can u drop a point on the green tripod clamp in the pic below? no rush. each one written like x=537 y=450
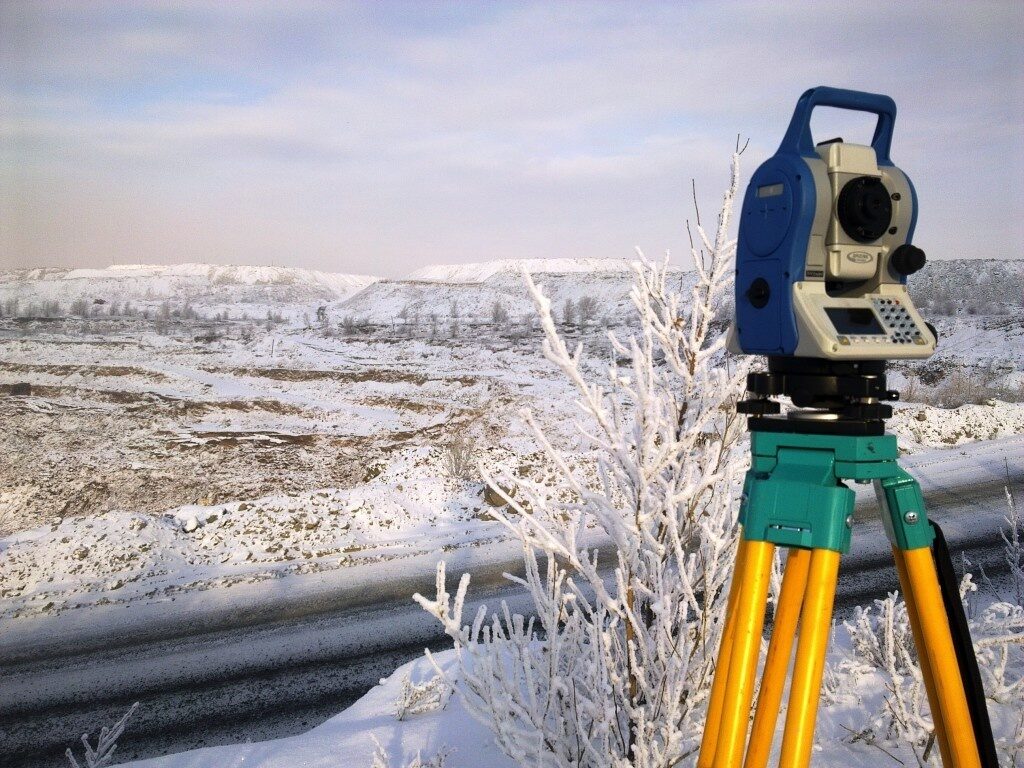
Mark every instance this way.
x=794 y=495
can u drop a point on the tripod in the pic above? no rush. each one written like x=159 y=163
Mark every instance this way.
x=794 y=497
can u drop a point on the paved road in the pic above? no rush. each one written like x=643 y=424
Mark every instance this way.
x=272 y=679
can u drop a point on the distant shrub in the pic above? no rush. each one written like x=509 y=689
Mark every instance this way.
x=458 y=457
x=498 y=313
x=569 y=312
x=586 y=309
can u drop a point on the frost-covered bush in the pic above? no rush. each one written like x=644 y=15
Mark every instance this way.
x=1013 y=547
x=106 y=743
x=458 y=456
x=381 y=758
x=616 y=665
x=419 y=698
x=882 y=641
x=586 y=309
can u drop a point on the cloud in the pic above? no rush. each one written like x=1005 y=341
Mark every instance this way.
x=380 y=137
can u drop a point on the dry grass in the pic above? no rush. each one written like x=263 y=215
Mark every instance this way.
x=958 y=386
x=458 y=457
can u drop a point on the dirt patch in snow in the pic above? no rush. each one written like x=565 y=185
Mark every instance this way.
x=344 y=377
x=90 y=429
x=84 y=370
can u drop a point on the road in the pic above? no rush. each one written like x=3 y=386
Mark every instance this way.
x=274 y=678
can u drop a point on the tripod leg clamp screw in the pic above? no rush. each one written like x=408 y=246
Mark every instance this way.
x=911 y=517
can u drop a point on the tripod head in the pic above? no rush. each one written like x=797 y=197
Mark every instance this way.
x=822 y=261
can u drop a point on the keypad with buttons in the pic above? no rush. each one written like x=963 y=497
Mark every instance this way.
x=897 y=321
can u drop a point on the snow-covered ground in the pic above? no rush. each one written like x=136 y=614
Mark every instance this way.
x=379 y=727
x=136 y=463
x=354 y=453
x=348 y=739
x=157 y=453
x=482 y=271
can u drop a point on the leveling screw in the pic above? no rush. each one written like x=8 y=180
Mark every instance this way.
x=910 y=517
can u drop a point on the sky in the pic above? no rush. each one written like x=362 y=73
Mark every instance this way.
x=379 y=137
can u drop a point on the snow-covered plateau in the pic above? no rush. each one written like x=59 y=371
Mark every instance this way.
x=208 y=436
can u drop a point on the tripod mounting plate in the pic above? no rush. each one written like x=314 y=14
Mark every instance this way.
x=845 y=397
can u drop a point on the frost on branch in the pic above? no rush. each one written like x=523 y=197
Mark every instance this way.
x=106 y=743
x=882 y=640
x=615 y=666
x=381 y=758
x=1013 y=546
x=419 y=698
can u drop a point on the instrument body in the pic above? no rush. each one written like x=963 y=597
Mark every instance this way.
x=825 y=247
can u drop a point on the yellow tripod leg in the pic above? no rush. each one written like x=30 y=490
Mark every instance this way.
x=950 y=698
x=926 y=667
x=815 y=622
x=787 y=614
x=745 y=651
x=713 y=721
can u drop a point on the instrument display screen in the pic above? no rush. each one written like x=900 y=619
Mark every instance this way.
x=854 y=321
x=770 y=190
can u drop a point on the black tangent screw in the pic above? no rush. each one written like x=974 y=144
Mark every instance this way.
x=758 y=293
x=907 y=259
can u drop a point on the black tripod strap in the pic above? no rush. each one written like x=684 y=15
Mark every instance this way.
x=966 y=660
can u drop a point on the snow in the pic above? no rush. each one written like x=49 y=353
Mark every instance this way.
x=348 y=434
x=269 y=445
x=480 y=272
x=423 y=306
x=347 y=739
x=350 y=735
x=145 y=275
x=206 y=288
x=925 y=426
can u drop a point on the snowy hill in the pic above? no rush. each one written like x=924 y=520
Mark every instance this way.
x=482 y=271
x=972 y=286
x=473 y=292
x=440 y=293
x=199 y=284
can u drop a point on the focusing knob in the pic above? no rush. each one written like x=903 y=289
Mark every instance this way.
x=907 y=259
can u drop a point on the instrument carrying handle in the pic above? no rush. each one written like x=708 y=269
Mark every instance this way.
x=798 y=136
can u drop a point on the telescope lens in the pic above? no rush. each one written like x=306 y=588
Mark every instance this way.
x=864 y=208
